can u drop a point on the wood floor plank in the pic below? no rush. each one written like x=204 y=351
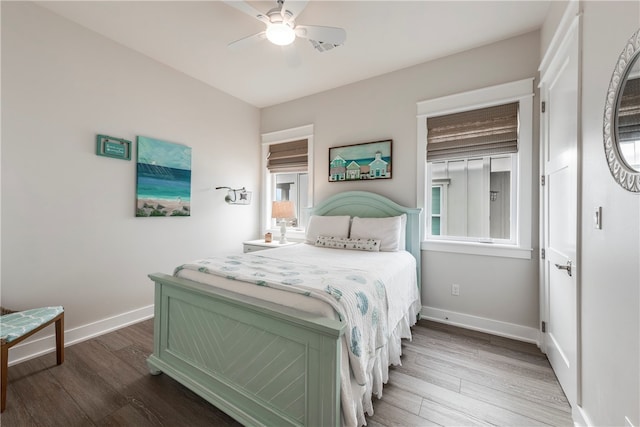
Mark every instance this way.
x=536 y=368
x=449 y=376
x=128 y=415
x=543 y=413
x=78 y=377
x=433 y=376
x=389 y=415
x=500 y=379
x=44 y=397
x=401 y=399
x=112 y=369
x=136 y=357
x=448 y=346
x=471 y=407
x=491 y=363
x=18 y=415
x=487 y=342
x=446 y=416
x=164 y=399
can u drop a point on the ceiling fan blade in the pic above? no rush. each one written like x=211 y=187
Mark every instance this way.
x=246 y=8
x=291 y=55
x=332 y=35
x=247 y=41
x=295 y=7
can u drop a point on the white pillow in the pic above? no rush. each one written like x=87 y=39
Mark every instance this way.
x=336 y=226
x=387 y=230
x=370 y=245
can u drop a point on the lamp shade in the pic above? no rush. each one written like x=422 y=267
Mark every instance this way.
x=283 y=209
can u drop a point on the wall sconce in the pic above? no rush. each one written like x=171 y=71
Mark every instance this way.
x=493 y=195
x=238 y=196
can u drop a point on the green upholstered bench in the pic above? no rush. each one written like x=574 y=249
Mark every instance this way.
x=18 y=326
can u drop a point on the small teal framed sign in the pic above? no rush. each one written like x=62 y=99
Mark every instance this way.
x=116 y=148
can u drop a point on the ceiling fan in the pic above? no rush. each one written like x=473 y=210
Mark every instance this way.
x=282 y=30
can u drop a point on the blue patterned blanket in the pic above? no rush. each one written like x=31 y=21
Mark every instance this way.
x=358 y=297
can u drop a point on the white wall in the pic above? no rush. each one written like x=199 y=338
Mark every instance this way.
x=611 y=256
x=502 y=291
x=69 y=231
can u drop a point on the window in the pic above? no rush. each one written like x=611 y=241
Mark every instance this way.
x=287 y=166
x=476 y=180
x=438 y=227
x=292 y=186
x=478 y=195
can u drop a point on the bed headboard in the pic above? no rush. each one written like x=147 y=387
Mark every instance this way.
x=371 y=205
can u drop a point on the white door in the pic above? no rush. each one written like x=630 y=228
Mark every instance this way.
x=559 y=138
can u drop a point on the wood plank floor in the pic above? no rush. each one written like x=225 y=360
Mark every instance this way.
x=449 y=376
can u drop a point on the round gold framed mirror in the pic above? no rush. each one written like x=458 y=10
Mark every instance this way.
x=622 y=118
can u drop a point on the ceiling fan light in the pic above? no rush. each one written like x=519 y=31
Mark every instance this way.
x=280 y=34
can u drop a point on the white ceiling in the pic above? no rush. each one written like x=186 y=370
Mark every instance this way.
x=382 y=36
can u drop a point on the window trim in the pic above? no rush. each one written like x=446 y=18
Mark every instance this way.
x=444 y=197
x=279 y=137
x=521 y=91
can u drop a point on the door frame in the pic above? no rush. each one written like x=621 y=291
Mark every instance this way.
x=571 y=22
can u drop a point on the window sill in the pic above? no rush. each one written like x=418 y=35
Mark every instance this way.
x=475 y=248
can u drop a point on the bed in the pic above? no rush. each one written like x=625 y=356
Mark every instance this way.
x=265 y=363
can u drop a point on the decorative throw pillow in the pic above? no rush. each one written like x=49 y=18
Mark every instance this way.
x=333 y=242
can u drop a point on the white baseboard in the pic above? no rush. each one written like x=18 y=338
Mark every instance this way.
x=30 y=349
x=482 y=324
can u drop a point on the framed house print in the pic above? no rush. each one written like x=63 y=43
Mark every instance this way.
x=369 y=160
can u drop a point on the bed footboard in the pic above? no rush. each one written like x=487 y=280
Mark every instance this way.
x=261 y=363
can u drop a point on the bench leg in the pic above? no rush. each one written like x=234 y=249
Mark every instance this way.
x=4 y=355
x=60 y=339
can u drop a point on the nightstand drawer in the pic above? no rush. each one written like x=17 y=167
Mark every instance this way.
x=253 y=248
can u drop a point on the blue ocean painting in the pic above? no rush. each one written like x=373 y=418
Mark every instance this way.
x=163 y=178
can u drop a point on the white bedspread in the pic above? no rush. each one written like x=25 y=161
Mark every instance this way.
x=395 y=270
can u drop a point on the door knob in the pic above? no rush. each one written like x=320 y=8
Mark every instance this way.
x=565 y=267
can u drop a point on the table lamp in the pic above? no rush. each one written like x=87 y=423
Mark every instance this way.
x=282 y=210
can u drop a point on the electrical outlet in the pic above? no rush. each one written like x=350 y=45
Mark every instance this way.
x=455 y=289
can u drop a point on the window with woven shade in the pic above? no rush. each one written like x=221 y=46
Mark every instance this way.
x=292 y=156
x=287 y=171
x=472 y=159
x=476 y=133
x=476 y=185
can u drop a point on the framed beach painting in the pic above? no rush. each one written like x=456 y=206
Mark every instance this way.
x=163 y=178
x=369 y=160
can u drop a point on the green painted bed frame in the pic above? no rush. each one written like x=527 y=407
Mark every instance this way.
x=261 y=363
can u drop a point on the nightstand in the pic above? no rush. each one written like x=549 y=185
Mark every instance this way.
x=260 y=245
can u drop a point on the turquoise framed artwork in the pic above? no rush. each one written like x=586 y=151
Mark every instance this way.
x=116 y=148
x=369 y=160
x=163 y=178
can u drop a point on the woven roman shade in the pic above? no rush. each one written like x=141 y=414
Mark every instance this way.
x=288 y=156
x=476 y=133
x=629 y=112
